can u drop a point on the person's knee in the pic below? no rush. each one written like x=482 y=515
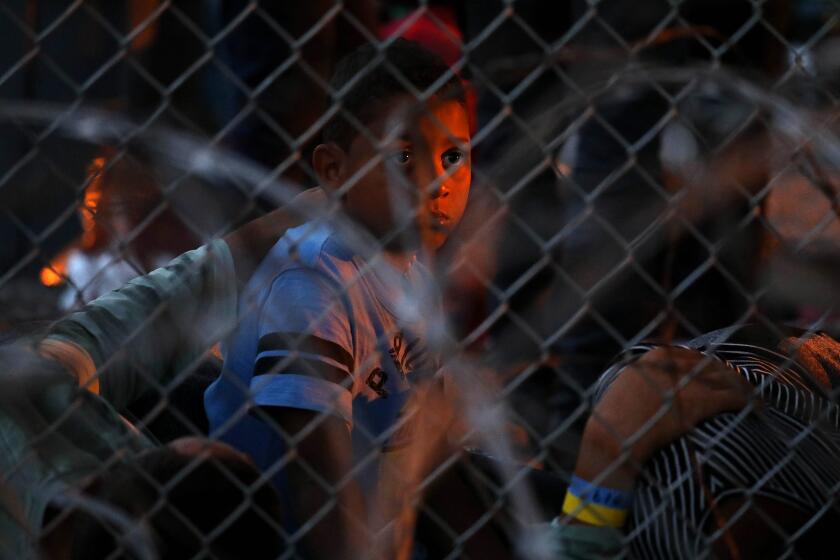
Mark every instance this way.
x=196 y=498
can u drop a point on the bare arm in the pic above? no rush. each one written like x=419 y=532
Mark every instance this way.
x=654 y=401
x=325 y=498
x=250 y=243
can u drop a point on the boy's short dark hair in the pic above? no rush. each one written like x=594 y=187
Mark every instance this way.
x=375 y=76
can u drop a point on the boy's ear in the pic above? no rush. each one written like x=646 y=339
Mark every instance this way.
x=328 y=160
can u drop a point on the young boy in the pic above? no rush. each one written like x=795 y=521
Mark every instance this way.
x=331 y=336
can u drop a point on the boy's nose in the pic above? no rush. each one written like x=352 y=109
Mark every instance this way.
x=427 y=177
x=433 y=178
x=437 y=188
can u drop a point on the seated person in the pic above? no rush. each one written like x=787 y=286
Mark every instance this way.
x=78 y=480
x=332 y=337
x=751 y=484
x=77 y=475
x=62 y=433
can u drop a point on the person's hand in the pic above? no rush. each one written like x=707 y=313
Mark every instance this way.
x=651 y=403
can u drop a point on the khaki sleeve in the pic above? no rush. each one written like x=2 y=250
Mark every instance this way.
x=141 y=335
x=74 y=358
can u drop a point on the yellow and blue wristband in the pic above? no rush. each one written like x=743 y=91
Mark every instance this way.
x=603 y=507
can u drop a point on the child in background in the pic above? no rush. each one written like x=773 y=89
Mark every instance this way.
x=129 y=227
x=333 y=334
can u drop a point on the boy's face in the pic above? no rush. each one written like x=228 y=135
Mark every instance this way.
x=422 y=184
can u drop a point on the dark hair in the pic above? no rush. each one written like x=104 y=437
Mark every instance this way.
x=184 y=499
x=368 y=77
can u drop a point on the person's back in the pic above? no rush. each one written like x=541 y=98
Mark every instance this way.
x=716 y=488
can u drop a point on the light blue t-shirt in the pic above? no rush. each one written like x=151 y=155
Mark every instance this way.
x=314 y=300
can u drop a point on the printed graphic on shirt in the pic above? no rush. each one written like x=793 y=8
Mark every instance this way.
x=399 y=353
x=376 y=381
x=410 y=356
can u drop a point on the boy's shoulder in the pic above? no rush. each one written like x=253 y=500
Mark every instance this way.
x=303 y=245
x=326 y=254
x=313 y=246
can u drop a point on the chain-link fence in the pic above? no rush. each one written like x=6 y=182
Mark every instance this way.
x=500 y=300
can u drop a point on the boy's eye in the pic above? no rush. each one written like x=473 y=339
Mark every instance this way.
x=402 y=157
x=452 y=157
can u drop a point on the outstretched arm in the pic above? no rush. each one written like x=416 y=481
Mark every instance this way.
x=161 y=323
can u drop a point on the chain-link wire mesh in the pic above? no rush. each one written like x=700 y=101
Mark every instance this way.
x=640 y=295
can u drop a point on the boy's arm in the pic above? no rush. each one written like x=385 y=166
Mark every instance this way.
x=325 y=497
x=250 y=243
x=303 y=381
x=159 y=323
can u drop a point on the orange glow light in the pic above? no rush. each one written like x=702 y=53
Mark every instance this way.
x=53 y=274
x=87 y=210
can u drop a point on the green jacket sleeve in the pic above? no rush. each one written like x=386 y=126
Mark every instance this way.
x=157 y=325
x=584 y=542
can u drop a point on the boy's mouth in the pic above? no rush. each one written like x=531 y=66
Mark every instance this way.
x=440 y=221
